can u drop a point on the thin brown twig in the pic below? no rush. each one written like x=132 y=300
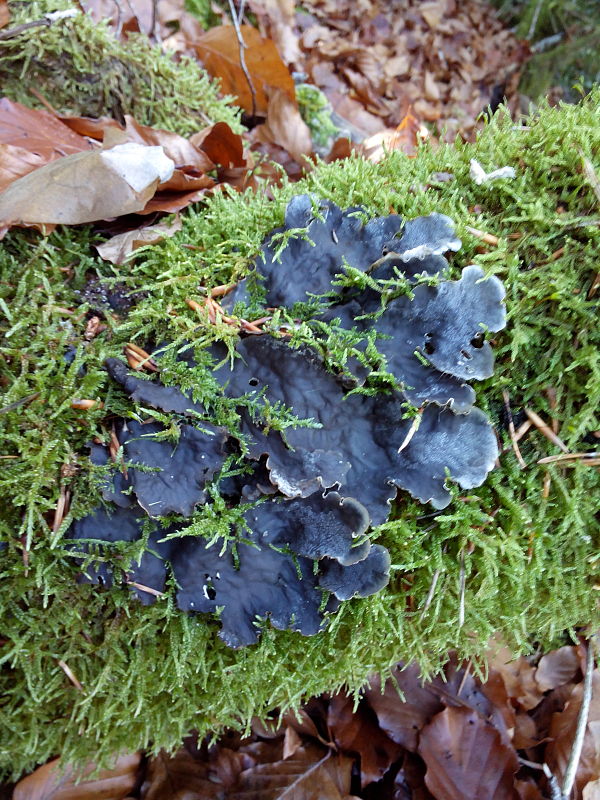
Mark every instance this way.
x=552 y=402
x=522 y=429
x=147 y=589
x=511 y=430
x=546 y=430
x=573 y=763
x=488 y=238
x=242 y=46
x=594 y=456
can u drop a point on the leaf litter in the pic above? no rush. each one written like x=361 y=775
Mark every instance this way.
x=456 y=735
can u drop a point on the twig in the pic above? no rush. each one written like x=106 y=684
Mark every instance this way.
x=431 y=592
x=546 y=430
x=147 y=589
x=573 y=763
x=547 y=43
x=242 y=45
x=462 y=581
x=522 y=430
x=534 y=20
x=70 y=675
x=546 y=486
x=464 y=678
x=511 y=430
x=488 y=238
x=570 y=457
x=555 y=792
x=48 y=19
x=551 y=395
x=594 y=287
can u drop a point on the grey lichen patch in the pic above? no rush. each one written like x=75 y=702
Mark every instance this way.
x=80 y=68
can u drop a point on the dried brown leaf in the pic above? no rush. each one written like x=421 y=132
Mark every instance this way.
x=276 y=20
x=219 y=51
x=358 y=732
x=15 y=162
x=179 y=777
x=120 y=246
x=285 y=127
x=51 y=783
x=221 y=145
x=310 y=774
x=558 y=667
x=403 y=719
x=562 y=731
x=466 y=757
x=518 y=675
x=38 y=132
x=85 y=187
x=180 y=150
x=527 y=790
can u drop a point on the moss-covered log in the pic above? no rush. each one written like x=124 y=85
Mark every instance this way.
x=524 y=545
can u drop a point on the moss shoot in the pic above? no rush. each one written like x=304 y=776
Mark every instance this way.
x=525 y=544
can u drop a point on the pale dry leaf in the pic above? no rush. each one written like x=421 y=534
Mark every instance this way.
x=291 y=742
x=122 y=245
x=591 y=791
x=86 y=187
x=49 y=782
x=15 y=162
x=557 y=667
x=433 y=12
x=466 y=757
x=480 y=176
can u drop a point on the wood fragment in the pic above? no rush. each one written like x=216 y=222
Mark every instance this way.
x=546 y=430
x=488 y=238
x=82 y=404
x=70 y=675
x=511 y=430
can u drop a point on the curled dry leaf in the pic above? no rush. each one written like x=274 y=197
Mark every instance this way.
x=50 y=782
x=558 y=667
x=466 y=757
x=85 y=187
x=219 y=51
x=402 y=718
x=357 y=731
x=518 y=676
x=120 y=246
x=285 y=127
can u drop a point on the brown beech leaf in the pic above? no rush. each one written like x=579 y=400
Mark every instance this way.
x=562 y=731
x=221 y=145
x=312 y=773
x=51 y=783
x=358 y=732
x=179 y=777
x=86 y=187
x=120 y=246
x=527 y=790
x=518 y=675
x=15 y=162
x=38 y=131
x=219 y=51
x=176 y=147
x=285 y=127
x=402 y=719
x=465 y=757
x=557 y=667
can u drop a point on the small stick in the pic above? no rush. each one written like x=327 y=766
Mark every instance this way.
x=594 y=287
x=242 y=47
x=61 y=508
x=546 y=430
x=555 y=792
x=461 y=606
x=147 y=589
x=464 y=678
x=219 y=291
x=573 y=763
x=511 y=430
x=556 y=255
x=522 y=430
x=546 y=486
x=569 y=457
x=488 y=238
x=551 y=395
x=431 y=592
x=70 y=675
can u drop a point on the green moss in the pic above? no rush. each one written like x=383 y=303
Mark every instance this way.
x=80 y=68
x=150 y=674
